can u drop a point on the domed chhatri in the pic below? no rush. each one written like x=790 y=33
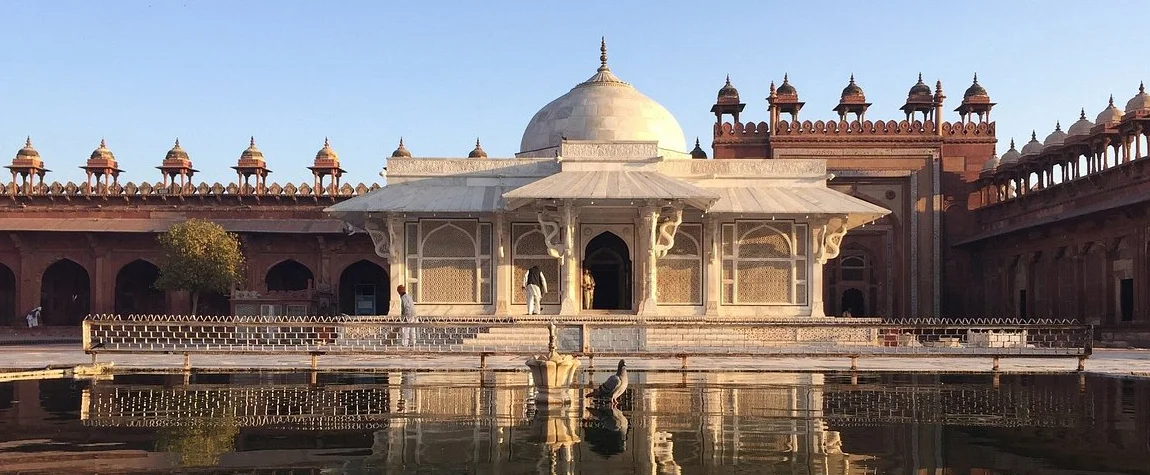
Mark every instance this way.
x=1033 y=147
x=251 y=154
x=1056 y=137
x=176 y=153
x=975 y=90
x=853 y=90
x=28 y=152
x=102 y=165
x=1082 y=127
x=1140 y=101
x=1011 y=156
x=102 y=155
x=603 y=108
x=919 y=89
x=787 y=89
x=401 y=151
x=326 y=156
x=991 y=164
x=728 y=94
x=478 y=151
x=698 y=151
x=1110 y=114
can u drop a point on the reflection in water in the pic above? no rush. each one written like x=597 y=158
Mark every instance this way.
x=606 y=431
x=486 y=422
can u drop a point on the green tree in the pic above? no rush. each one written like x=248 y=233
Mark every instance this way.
x=199 y=256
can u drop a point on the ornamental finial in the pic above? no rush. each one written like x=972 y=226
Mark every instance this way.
x=603 y=53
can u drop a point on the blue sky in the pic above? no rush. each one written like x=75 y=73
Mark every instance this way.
x=440 y=74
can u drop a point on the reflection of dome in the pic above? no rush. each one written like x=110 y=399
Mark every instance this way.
x=1056 y=137
x=1109 y=114
x=1011 y=156
x=1033 y=147
x=1083 y=126
x=401 y=151
x=603 y=108
x=1140 y=101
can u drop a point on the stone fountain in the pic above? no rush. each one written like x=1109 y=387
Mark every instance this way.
x=552 y=374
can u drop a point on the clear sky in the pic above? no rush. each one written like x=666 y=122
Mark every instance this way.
x=440 y=73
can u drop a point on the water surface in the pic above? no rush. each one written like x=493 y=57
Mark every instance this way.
x=667 y=423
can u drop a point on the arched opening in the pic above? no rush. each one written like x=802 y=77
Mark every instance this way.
x=289 y=275
x=609 y=261
x=853 y=301
x=364 y=289
x=135 y=289
x=8 y=296
x=65 y=294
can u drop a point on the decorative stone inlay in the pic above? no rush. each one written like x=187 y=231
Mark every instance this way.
x=577 y=149
x=843 y=152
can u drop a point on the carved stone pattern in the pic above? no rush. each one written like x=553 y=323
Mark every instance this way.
x=680 y=272
x=455 y=166
x=452 y=265
x=765 y=168
x=608 y=150
x=528 y=249
x=760 y=265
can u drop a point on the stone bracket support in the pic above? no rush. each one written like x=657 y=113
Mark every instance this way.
x=828 y=239
x=668 y=225
x=387 y=237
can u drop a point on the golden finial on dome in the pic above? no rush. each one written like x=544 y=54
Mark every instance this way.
x=28 y=141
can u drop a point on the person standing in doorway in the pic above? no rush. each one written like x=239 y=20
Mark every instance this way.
x=535 y=285
x=588 y=289
x=407 y=314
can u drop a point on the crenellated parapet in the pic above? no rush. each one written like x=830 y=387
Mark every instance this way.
x=158 y=190
x=742 y=130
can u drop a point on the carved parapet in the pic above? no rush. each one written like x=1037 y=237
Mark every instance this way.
x=855 y=128
x=742 y=130
x=159 y=190
x=968 y=129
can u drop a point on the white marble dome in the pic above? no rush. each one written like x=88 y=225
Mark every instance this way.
x=603 y=108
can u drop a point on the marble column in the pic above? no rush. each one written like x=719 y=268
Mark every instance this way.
x=647 y=275
x=502 y=279
x=713 y=269
x=569 y=265
x=815 y=271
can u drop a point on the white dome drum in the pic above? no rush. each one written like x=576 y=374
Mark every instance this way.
x=606 y=109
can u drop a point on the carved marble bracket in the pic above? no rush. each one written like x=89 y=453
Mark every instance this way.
x=828 y=239
x=551 y=224
x=668 y=222
x=384 y=234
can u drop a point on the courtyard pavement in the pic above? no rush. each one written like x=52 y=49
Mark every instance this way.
x=1112 y=362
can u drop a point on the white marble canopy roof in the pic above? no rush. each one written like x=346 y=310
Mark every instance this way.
x=611 y=185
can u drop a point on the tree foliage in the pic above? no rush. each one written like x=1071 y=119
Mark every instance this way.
x=199 y=256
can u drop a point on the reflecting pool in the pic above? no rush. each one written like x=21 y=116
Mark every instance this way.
x=667 y=423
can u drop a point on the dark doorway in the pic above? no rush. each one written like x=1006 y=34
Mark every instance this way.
x=1126 y=299
x=609 y=261
x=135 y=291
x=8 y=297
x=1022 y=303
x=289 y=275
x=854 y=302
x=65 y=294
x=364 y=289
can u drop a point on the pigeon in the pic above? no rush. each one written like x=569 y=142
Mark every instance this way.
x=613 y=387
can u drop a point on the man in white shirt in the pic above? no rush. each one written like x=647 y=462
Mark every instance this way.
x=535 y=285
x=407 y=313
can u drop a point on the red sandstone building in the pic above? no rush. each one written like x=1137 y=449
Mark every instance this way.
x=1058 y=229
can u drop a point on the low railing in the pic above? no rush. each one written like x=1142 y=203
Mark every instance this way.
x=584 y=336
